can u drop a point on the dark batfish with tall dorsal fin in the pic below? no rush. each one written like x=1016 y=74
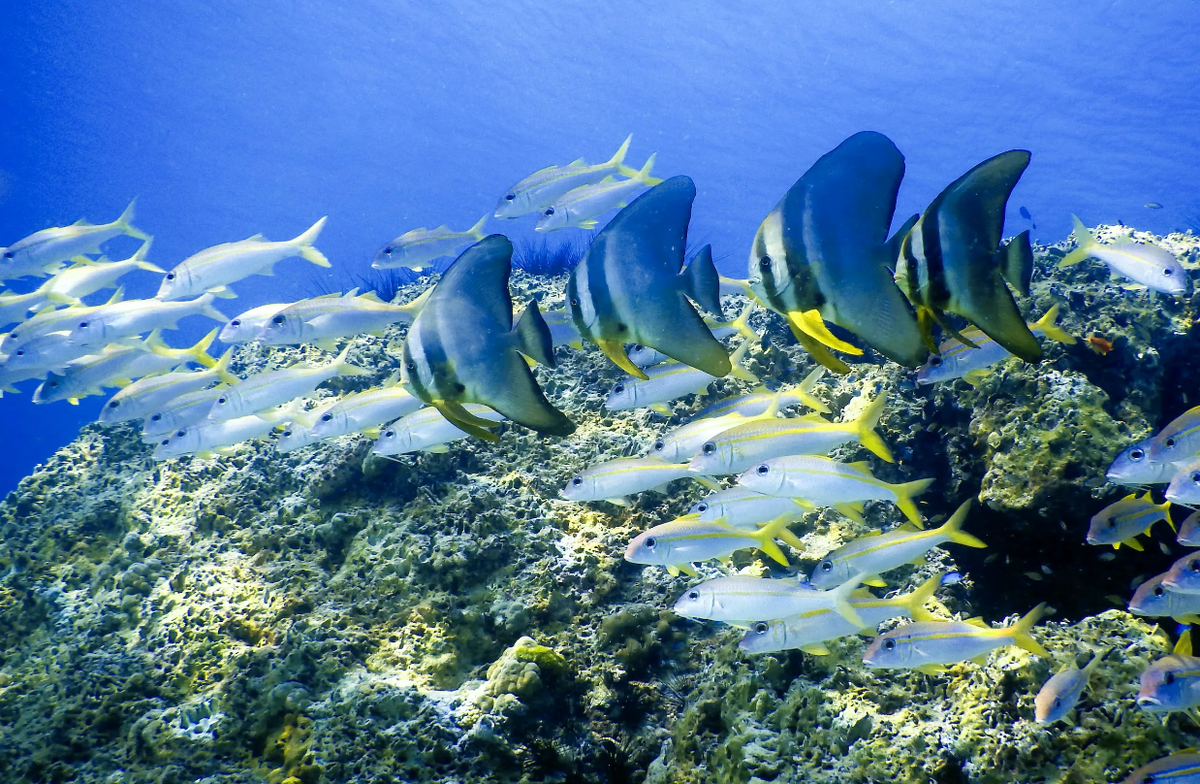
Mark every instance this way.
x=463 y=348
x=952 y=260
x=822 y=255
x=629 y=287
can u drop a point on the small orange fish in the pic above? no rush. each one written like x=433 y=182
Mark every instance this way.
x=1100 y=344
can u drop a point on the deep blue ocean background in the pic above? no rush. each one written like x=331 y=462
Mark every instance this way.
x=226 y=119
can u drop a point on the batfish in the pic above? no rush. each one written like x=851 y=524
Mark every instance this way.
x=822 y=255
x=463 y=348
x=629 y=287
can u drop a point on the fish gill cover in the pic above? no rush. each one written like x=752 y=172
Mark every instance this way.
x=302 y=542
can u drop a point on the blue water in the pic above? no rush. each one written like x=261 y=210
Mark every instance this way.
x=227 y=119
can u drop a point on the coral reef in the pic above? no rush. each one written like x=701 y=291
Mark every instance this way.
x=327 y=616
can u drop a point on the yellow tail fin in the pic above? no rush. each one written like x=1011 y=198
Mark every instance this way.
x=222 y=368
x=768 y=534
x=618 y=159
x=1048 y=326
x=865 y=427
x=904 y=499
x=1020 y=632
x=952 y=529
x=806 y=390
x=1084 y=242
x=199 y=352
x=305 y=242
x=915 y=601
x=737 y=369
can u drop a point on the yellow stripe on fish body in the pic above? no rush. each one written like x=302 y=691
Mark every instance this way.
x=625 y=476
x=1180 y=768
x=689 y=540
x=746 y=509
x=743 y=600
x=930 y=644
x=665 y=383
x=825 y=482
x=1120 y=523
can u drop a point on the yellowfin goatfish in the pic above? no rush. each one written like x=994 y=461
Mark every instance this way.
x=680 y=444
x=110 y=323
x=1155 y=600
x=757 y=401
x=1184 y=575
x=959 y=360
x=15 y=308
x=825 y=482
x=810 y=630
x=1157 y=459
x=275 y=387
x=1189 y=531
x=1119 y=523
x=1181 y=768
x=147 y=395
x=71 y=285
x=930 y=645
x=1061 y=693
x=179 y=413
x=952 y=260
x=1150 y=265
x=118 y=366
x=822 y=255
x=680 y=543
x=365 y=410
x=628 y=288
x=666 y=382
x=745 y=600
x=297 y=432
x=1184 y=488
x=50 y=320
x=212 y=269
x=207 y=439
x=542 y=188
x=51 y=351
x=878 y=553
x=43 y=252
x=248 y=324
x=325 y=319
x=737 y=449
x=418 y=248
x=583 y=205
x=746 y=509
x=463 y=348
x=426 y=431
x=615 y=480
x=1171 y=683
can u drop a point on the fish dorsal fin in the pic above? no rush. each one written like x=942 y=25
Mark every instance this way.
x=444 y=228
x=80 y=222
x=977 y=621
x=1184 y=646
x=351 y=294
x=576 y=162
x=255 y=238
x=371 y=296
x=977 y=200
x=861 y=465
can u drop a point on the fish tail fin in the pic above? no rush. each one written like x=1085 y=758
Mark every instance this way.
x=702 y=283
x=768 y=534
x=414 y=307
x=1099 y=655
x=806 y=388
x=533 y=336
x=476 y=231
x=155 y=344
x=199 y=352
x=139 y=257
x=842 y=606
x=1166 y=507
x=742 y=322
x=904 y=498
x=952 y=529
x=865 y=427
x=785 y=535
x=618 y=159
x=1017 y=264
x=1183 y=646
x=208 y=309
x=644 y=174
x=125 y=223
x=305 y=244
x=738 y=370
x=222 y=368
x=1020 y=632
x=1048 y=326
x=915 y=601
x=1084 y=242
x=344 y=368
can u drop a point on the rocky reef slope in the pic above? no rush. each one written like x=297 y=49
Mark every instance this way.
x=324 y=616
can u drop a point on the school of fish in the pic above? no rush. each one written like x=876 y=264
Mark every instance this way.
x=821 y=259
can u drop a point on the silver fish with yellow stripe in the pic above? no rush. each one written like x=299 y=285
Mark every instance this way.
x=425 y=431
x=972 y=362
x=1120 y=523
x=1061 y=693
x=1171 y=683
x=615 y=480
x=680 y=543
x=1181 y=768
x=668 y=381
x=743 y=601
x=364 y=411
x=275 y=387
x=929 y=646
x=746 y=509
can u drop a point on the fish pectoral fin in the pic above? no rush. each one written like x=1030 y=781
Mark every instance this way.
x=875 y=582
x=815 y=649
x=1134 y=543
x=708 y=482
x=976 y=377
x=465 y=421
x=849 y=510
x=437 y=449
x=931 y=669
x=223 y=292
x=688 y=569
x=329 y=344
x=661 y=408
x=925 y=327
x=615 y=351
x=810 y=323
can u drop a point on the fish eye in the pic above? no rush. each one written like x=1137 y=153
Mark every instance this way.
x=618 y=389
x=235 y=323
x=765 y=262
x=83 y=325
x=220 y=401
x=709 y=448
x=287 y=433
x=1196 y=478
x=1195 y=566
x=165 y=441
x=701 y=507
x=1137 y=454
x=170 y=276
x=693 y=595
x=651 y=543
x=935 y=361
x=826 y=566
x=638 y=347
x=1167 y=272
x=8 y=254
x=761 y=627
x=278 y=320
x=659 y=445
x=889 y=645
x=1057 y=701
x=577 y=481
x=1111 y=522
x=156 y=418
x=763 y=470
x=1148 y=779
x=53 y=383
x=550 y=211
x=1159 y=590
x=1170 y=442
x=388 y=251
x=390 y=434
x=574 y=302
x=20 y=352
x=510 y=197
x=1169 y=678
x=114 y=403
x=326 y=417
x=412 y=367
